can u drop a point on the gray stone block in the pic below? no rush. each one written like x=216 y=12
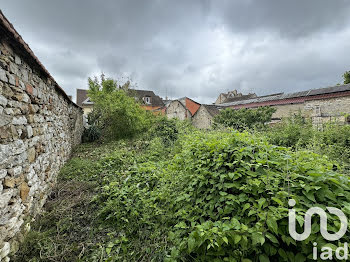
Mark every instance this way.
x=3 y=76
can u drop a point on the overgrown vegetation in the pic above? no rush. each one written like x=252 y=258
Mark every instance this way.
x=172 y=193
x=331 y=139
x=115 y=113
x=244 y=118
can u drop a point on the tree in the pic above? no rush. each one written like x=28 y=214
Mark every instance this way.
x=244 y=118
x=117 y=114
x=346 y=77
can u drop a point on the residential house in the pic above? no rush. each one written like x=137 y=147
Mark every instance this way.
x=148 y=100
x=182 y=108
x=87 y=106
x=232 y=96
x=204 y=116
x=81 y=96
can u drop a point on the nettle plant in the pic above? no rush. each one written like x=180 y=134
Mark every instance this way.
x=231 y=196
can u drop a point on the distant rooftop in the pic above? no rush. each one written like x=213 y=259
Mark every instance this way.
x=82 y=97
x=301 y=94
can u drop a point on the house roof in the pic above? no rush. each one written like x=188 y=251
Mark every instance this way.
x=7 y=31
x=87 y=101
x=81 y=96
x=167 y=102
x=188 y=106
x=140 y=94
x=184 y=99
x=302 y=95
x=212 y=109
x=239 y=98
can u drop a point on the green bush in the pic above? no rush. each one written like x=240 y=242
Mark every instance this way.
x=132 y=205
x=231 y=198
x=91 y=134
x=244 y=118
x=179 y=194
x=116 y=113
x=166 y=129
x=294 y=131
x=222 y=197
x=332 y=139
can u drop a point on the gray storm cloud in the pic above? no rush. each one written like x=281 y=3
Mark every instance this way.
x=189 y=48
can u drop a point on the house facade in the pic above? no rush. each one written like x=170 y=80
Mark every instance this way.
x=178 y=110
x=87 y=105
x=182 y=108
x=204 y=116
x=148 y=99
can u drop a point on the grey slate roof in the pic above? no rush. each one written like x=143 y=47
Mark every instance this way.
x=212 y=109
x=167 y=102
x=282 y=96
x=155 y=100
x=81 y=96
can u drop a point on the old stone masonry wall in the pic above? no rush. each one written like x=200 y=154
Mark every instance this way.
x=39 y=127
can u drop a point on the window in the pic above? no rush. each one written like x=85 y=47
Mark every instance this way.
x=317 y=110
x=147 y=99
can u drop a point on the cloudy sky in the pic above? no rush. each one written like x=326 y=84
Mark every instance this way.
x=194 y=48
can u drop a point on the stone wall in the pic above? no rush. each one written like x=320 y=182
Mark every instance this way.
x=177 y=110
x=202 y=119
x=319 y=111
x=332 y=109
x=39 y=127
x=291 y=109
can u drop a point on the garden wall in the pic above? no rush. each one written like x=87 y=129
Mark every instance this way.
x=39 y=127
